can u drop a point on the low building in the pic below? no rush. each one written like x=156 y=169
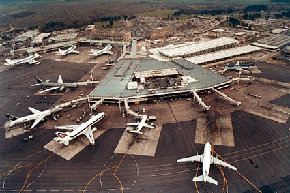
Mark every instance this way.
x=161 y=33
x=25 y=36
x=39 y=38
x=124 y=36
x=90 y=29
x=138 y=79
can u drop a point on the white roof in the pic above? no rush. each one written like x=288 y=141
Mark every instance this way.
x=223 y=54
x=192 y=47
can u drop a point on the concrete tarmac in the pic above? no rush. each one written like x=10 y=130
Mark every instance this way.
x=261 y=151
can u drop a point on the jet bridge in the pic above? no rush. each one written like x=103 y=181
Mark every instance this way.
x=129 y=111
x=204 y=106
x=224 y=96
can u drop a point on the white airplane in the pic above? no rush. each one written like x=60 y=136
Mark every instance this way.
x=60 y=85
x=207 y=159
x=70 y=50
x=37 y=116
x=29 y=59
x=77 y=130
x=105 y=50
x=140 y=125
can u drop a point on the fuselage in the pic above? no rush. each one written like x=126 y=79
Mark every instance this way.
x=142 y=122
x=29 y=59
x=30 y=117
x=206 y=160
x=84 y=126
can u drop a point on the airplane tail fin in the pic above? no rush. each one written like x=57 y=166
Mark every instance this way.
x=59 y=79
x=8 y=62
x=208 y=179
x=38 y=79
x=136 y=131
x=211 y=180
x=36 y=55
x=11 y=117
x=198 y=179
x=62 y=138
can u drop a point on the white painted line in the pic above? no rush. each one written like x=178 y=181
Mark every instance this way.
x=40 y=173
x=68 y=190
x=54 y=190
x=30 y=184
x=27 y=190
x=40 y=190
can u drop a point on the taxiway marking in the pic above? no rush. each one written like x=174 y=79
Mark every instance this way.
x=241 y=175
x=31 y=170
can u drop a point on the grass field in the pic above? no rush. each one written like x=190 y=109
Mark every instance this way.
x=158 y=13
x=41 y=12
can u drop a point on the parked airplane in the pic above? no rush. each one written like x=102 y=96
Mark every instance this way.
x=70 y=50
x=37 y=116
x=207 y=159
x=140 y=125
x=105 y=50
x=60 y=85
x=239 y=67
x=77 y=130
x=29 y=59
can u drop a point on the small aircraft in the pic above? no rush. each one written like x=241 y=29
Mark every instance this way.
x=207 y=159
x=60 y=85
x=105 y=50
x=140 y=125
x=37 y=116
x=30 y=59
x=70 y=50
x=77 y=130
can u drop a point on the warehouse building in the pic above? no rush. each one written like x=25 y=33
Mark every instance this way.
x=190 y=49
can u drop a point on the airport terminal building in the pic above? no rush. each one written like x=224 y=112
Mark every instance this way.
x=139 y=79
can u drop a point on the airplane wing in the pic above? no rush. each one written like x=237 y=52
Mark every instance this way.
x=89 y=135
x=49 y=89
x=68 y=127
x=37 y=121
x=149 y=126
x=132 y=124
x=198 y=158
x=34 y=111
x=220 y=162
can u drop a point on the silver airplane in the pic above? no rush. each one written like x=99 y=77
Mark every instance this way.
x=29 y=59
x=140 y=125
x=70 y=50
x=77 y=130
x=105 y=50
x=206 y=158
x=37 y=116
x=60 y=85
